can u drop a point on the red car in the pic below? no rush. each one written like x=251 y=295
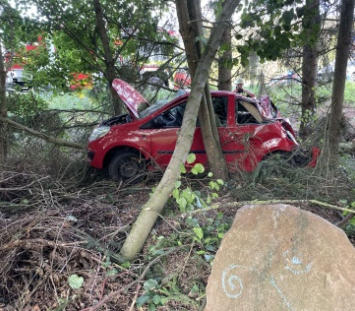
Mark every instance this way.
x=146 y=137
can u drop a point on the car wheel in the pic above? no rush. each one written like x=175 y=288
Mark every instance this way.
x=126 y=166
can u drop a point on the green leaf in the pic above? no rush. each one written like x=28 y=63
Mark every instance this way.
x=198 y=232
x=75 y=281
x=220 y=181
x=178 y=184
x=182 y=169
x=182 y=204
x=209 y=257
x=191 y=158
x=199 y=168
x=156 y=299
x=188 y=195
x=126 y=265
x=150 y=284
x=142 y=300
x=210 y=174
x=210 y=248
x=176 y=193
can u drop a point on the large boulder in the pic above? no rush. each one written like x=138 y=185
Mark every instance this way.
x=278 y=257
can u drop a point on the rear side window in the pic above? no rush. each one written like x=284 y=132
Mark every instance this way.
x=220 y=106
x=247 y=113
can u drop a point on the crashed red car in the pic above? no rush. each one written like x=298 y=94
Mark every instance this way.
x=145 y=138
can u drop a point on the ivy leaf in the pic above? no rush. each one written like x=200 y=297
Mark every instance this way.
x=198 y=232
x=142 y=300
x=150 y=284
x=198 y=169
x=191 y=158
x=75 y=281
x=176 y=193
x=156 y=299
x=182 y=203
x=182 y=169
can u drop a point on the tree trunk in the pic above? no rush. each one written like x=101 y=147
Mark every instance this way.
x=224 y=62
x=3 y=110
x=190 y=21
x=109 y=59
x=309 y=68
x=331 y=148
x=153 y=208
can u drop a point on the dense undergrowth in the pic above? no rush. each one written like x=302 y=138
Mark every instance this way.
x=62 y=225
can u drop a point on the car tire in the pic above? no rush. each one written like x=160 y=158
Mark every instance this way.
x=126 y=166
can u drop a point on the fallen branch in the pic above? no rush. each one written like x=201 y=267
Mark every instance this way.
x=342 y=223
x=219 y=205
x=45 y=137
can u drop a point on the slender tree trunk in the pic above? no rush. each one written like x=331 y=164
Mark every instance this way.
x=153 y=208
x=309 y=68
x=331 y=149
x=3 y=110
x=190 y=21
x=109 y=59
x=224 y=62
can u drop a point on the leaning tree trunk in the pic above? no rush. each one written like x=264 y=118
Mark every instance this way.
x=190 y=22
x=153 y=208
x=331 y=148
x=3 y=111
x=109 y=59
x=309 y=67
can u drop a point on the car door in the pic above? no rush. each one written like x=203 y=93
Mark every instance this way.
x=239 y=138
x=163 y=132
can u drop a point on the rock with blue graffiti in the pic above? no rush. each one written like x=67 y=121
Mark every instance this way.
x=281 y=258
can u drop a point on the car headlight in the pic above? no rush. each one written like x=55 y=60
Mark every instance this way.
x=99 y=132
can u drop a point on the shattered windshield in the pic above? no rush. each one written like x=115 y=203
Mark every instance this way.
x=159 y=104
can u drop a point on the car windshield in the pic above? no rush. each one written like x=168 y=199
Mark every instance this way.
x=156 y=106
x=159 y=104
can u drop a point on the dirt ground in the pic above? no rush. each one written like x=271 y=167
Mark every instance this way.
x=71 y=233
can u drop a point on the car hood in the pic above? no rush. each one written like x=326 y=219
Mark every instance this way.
x=130 y=96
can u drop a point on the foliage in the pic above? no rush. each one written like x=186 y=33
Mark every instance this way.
x=274 y=27
x=16 y=29
x=32 y=111
x=71 y=27
x=204 y=236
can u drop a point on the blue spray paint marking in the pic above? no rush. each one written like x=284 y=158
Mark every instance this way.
x=297 y=265
x=232 y=290
x=283 y=297
x=233 y=286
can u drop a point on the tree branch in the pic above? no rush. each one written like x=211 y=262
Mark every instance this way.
x=254 y=202
x=45 y=137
